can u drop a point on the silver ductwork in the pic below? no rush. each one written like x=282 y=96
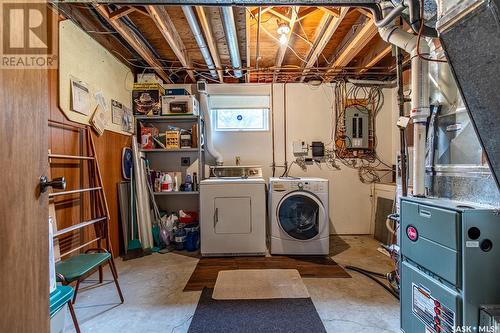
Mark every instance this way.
x=232 y=39
x=198 y=36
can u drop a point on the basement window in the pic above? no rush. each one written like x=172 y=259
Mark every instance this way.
x=240 y=113
x=241 y=119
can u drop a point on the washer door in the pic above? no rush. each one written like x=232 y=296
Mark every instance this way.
x=299 y=215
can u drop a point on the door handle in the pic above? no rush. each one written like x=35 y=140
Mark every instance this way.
x=57 y=183
x=425 y=213
x=216 y=216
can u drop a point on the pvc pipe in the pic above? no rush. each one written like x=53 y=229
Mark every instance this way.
x=232 y=39
x=198 y=36
x=205 y=109
x=419 y=96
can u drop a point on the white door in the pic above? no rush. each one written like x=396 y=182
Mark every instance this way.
x=233 y=215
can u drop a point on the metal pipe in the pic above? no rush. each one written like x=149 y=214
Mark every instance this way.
x=198 y=36
x=232 y=39
x=390 y=16
x=402 y=131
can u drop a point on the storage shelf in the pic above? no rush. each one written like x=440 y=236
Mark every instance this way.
x=177 y=193
x=167 y=119
x=161 y=150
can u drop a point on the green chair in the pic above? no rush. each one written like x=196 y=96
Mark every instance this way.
x=58 y=298
x=79 y=267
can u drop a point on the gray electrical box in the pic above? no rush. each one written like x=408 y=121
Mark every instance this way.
x=449 y=265
x=357 y=119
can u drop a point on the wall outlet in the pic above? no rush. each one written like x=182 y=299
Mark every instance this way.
x=185 y=161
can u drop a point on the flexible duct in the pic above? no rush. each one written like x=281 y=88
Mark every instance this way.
x=232 y=39
x=419 y=94
x=198 y=36
x=209 y=144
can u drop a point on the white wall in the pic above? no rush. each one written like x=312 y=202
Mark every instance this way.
x=309 y=117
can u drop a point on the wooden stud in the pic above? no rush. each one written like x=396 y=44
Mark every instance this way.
x=282 y=50
x=133 y=39
x=353 y=44
x=212 y=45
x=166 y=26
x=323 y=34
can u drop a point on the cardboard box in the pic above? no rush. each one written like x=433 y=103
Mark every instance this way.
x=146 y=99
x=173 y=139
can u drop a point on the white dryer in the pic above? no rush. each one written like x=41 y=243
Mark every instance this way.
x=233 y=216
x=299 y=220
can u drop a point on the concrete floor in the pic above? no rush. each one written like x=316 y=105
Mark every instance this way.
x=154 y=300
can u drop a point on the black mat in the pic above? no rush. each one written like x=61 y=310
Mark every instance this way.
x=268 y=315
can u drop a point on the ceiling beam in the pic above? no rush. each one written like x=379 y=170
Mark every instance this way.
x=255 y=12
x=282 y=50
x=353 y=43
x=323 y=34
x=379 y=51
x=166 y=26
x=212 y=45
x=135 y=41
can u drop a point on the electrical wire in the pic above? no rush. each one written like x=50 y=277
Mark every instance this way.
x=371 y=275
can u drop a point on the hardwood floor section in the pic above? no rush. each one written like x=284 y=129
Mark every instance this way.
x=207 y=269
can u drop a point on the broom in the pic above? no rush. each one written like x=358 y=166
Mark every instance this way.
x=134 y=248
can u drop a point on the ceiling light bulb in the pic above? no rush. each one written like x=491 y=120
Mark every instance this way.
x=283 y=39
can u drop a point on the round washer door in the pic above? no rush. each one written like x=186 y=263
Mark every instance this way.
x=299 y=215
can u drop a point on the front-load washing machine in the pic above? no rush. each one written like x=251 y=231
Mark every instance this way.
x=299 y=220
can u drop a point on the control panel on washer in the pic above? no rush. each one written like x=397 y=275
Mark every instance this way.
x=300 y=185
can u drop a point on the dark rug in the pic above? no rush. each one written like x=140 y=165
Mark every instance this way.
x=205 y=273
x=269 y=315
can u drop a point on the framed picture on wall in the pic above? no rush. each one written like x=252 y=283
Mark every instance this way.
x=116 y=112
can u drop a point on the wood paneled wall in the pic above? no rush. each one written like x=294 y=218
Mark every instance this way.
x=73 y=209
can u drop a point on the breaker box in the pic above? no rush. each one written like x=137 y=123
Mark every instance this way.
x=357 y=124
x=449 y=265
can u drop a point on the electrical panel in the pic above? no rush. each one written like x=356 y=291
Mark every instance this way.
x=357 y=123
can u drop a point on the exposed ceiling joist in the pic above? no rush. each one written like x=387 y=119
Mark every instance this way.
x=135 y=41
x=212 y=45
x=323 y=34
x=365 y=12
x=354 y=43
x=306 y=12
x=281 y=16
x=255 y=12
x=122 y=11
x=282 y=50
x=331 y=10
x=374 y=55
x=165 y=25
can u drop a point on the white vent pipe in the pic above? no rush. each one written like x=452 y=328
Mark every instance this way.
x=232 y=39
x=419 y=93
x=209 y=143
